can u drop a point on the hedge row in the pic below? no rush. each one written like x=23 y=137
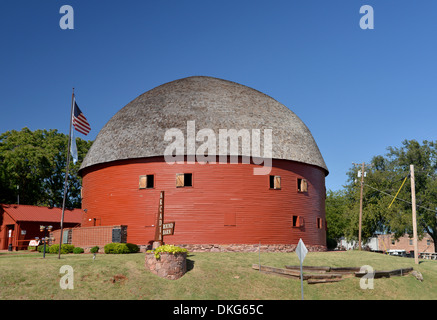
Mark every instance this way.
x=54 y=248
x=117 y=248
x=110 y=248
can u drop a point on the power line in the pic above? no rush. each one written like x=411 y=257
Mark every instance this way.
x=399 y=198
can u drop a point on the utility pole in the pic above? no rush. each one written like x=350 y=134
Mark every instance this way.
x=361 y=203
x=413 y=204
x=361 y=206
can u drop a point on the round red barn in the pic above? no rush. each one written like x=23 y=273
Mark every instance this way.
x=221 y=206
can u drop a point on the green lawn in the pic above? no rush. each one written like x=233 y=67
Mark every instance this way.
x=211 y=276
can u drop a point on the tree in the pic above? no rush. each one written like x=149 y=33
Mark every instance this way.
x=383 y=180
x=336 y=206
x=424 y=159
x=32 y=164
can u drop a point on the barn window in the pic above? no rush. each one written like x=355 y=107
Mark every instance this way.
x=275 y=182
x=319 y=223
x=302 y=185
x=297 y=221
x=147 y=181
x=184 y=180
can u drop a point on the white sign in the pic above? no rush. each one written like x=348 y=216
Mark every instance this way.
x=301 y=251
x=168 y=225
x=167 y=232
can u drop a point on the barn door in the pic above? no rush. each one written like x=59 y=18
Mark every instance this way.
x=10 y=236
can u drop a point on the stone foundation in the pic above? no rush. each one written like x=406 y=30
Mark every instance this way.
x=248 y=247
x=232 y=248
x=169 y=266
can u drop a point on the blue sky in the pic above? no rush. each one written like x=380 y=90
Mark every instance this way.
x=358 y=91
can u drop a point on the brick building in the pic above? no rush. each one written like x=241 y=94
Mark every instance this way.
x=387 y=242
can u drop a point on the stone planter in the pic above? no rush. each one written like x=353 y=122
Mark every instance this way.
x=169 y=266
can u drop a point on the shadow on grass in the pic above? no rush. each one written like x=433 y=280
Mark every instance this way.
x=190 y=263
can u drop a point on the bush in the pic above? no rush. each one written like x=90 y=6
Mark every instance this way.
x=94 y=249
x=53 y=248
x=41 y=248
x=109 y=248
x=133 y=248
x=169 y=248
x=78 y=250
x=65 y=248
x=118 y=248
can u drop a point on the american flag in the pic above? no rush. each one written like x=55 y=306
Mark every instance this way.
x=80 y=123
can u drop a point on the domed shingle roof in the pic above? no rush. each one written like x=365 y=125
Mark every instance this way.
x=138 y=129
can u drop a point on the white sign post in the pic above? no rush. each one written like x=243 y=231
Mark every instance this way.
x=301 y=251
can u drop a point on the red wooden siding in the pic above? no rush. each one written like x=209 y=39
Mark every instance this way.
x=226 y=204
x=25 y=221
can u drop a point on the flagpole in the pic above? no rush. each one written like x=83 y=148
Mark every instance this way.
x=66 y=176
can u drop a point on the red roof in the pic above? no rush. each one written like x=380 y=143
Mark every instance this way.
x=22 y=212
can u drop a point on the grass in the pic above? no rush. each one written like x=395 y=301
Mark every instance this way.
x=211 y=276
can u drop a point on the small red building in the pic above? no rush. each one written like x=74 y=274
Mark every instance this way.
x=214 y=205
x=21 y=223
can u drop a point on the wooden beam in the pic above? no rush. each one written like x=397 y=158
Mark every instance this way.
x=310 y=268
x=386 y=274
x=314 y=281
x=346 y=269
x=286 y=272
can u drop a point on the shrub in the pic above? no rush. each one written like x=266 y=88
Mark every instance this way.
x=41 y=248
x=54 y=248
x=121 y=248
x=68 y=248
x=116 y=248
x=109 y=248
x=94 y=249
x=78 y=250
x=169 y=248
x=133 y=248
x=65 y=248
